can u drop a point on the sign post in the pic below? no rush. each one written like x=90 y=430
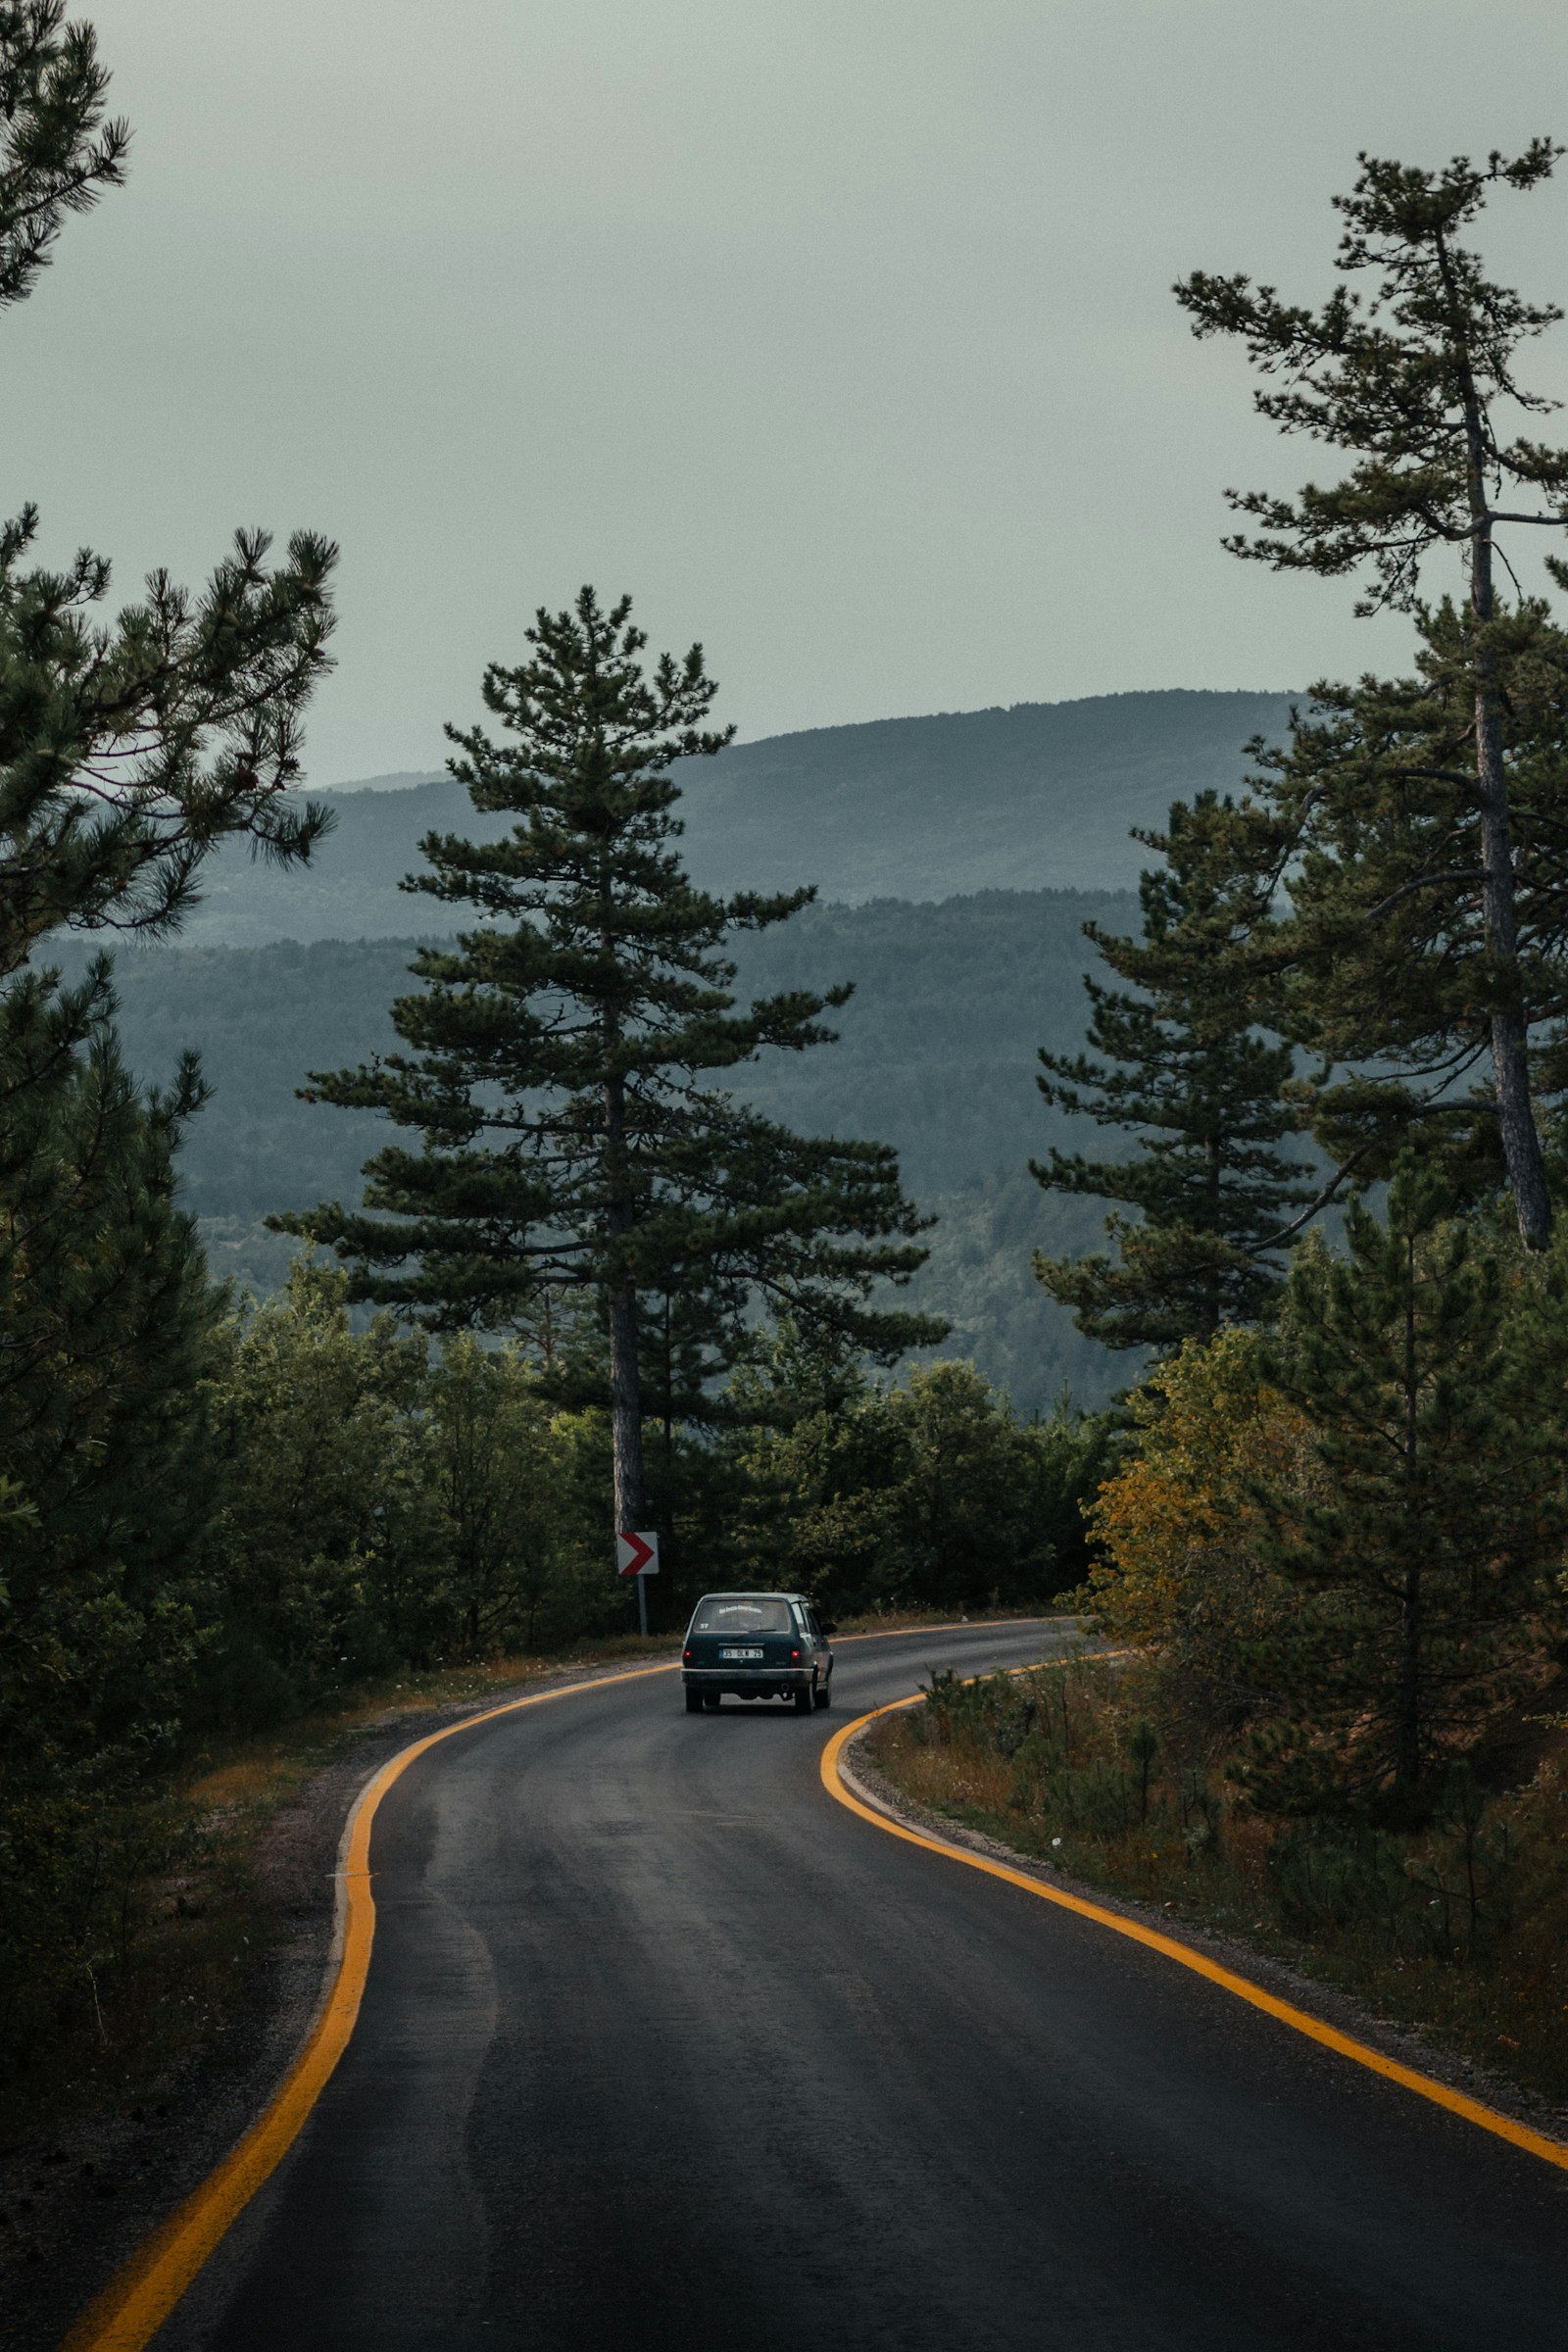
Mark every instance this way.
x=637 y=1554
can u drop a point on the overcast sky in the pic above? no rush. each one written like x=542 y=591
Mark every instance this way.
x=839 y=332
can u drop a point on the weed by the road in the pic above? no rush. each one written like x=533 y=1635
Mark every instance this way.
x=1458 y=1928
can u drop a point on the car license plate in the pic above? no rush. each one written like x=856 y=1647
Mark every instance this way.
x=740 y=1653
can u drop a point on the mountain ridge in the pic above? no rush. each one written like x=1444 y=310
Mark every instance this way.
x=1028 y=796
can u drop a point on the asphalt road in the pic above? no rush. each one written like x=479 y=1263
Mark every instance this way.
x=662 y=2048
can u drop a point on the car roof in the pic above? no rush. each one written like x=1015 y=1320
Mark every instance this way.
x=731 y=1592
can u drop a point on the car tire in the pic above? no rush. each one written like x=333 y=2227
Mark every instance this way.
x=694 y=1703
x=824 y=1693
x=805 y=1701
x=711 y=1699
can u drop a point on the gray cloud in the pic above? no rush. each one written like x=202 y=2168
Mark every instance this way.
x=840 y=334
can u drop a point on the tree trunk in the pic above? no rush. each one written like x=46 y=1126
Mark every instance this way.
x=1516 y=1119
x=1210 y=1309
x=1510 y=1064
x=625 y=1387
x=669 y=1398
x=1407 y=1722
x=626 y=1406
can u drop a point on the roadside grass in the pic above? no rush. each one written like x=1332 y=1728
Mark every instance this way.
x=265 y=1768
x=1457 y=1932
x=904 y=1621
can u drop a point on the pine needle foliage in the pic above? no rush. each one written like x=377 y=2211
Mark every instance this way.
x=130 y=751
x=107 y=1330
x=1202 y=1093
x=56 y=150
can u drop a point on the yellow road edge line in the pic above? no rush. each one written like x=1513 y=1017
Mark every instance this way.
x=130 y=2311
x=141 y=2297
x=971 y=1625
x=1426 y=2086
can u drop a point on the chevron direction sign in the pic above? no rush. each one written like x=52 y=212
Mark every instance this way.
x=636 y=1552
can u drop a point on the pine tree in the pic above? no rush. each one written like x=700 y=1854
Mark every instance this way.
x=1203 y=1093
x=557 y=1050
x=104 y=1301
x=56 y=149
x=1423 y=1541
x=1411 y=379
x=127 y=752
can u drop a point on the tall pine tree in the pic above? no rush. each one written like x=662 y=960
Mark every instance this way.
x=1202 y=1092
x=128 y=750
x=558 y=1053
x=1413 y=378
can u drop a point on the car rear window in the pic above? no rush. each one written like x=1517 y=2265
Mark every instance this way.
x=741 y=1615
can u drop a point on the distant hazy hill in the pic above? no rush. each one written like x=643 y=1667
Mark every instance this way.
x=936 y=1050
x=936 y=1056
x=1039 y=797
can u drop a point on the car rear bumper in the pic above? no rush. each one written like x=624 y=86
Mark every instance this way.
x=743 y=1681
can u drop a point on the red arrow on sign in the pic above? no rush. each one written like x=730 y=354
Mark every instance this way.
x=636 y=1550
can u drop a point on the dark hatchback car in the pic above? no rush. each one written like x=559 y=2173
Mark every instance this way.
x=757 y=1646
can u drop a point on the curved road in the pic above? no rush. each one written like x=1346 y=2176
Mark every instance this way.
x=662 y=2048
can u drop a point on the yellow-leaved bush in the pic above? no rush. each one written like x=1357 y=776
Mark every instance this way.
x=1177 y=1529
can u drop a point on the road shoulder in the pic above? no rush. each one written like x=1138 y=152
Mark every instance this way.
x=1405 y=2046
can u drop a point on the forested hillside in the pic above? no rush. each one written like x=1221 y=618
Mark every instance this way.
x=935 y=1056
x=1039 y=797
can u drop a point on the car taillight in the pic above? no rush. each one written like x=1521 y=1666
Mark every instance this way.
x=686 y=1658
x=795 y=1656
